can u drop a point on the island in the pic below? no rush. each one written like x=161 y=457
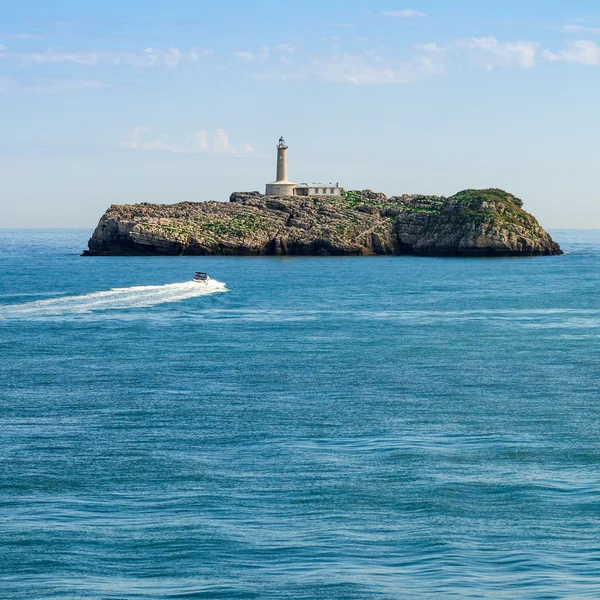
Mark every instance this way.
x=488 y=222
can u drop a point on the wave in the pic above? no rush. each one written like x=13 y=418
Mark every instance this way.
x=573 y=318
x=117 y=298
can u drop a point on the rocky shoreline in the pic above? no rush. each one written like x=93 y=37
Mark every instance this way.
x=471 y=223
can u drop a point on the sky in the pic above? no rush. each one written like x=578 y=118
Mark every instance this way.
x=109 y=102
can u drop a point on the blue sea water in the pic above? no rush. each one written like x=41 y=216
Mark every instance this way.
x=313 y=428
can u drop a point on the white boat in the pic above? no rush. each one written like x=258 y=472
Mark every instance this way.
x=201 y=277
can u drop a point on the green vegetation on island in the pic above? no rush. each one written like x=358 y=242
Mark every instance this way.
x=472 y=222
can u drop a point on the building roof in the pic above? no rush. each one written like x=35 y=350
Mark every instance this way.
x=319 y=185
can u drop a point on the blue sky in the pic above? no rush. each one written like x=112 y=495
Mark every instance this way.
x=121 y=102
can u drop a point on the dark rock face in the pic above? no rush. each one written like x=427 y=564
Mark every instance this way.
x=472 y=222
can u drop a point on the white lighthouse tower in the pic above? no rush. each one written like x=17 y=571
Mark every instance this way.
x=281 y=187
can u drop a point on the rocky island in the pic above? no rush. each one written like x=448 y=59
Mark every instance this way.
x=487 y=222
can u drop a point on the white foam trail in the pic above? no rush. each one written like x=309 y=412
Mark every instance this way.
x=117 y=298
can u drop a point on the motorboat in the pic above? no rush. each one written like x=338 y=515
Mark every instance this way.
x=201 y=277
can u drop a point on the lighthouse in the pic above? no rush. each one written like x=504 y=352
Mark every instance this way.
x=282 y=160
x=281 y=187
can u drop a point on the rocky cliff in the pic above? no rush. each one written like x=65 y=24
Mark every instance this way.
x=472 y=222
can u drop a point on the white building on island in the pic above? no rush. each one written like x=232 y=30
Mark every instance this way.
x=283 y=187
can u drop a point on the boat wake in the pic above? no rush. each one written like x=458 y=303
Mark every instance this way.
x=117 y=298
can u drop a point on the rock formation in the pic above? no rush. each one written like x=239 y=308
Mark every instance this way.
x=470 y=223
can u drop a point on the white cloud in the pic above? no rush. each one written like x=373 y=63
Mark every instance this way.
x=375 y=68
x=432 y=47
x=150 y=57
x=22 y=36
x=57 y=86
x=366 y=69
x=261 y=56
x=195 y=143
x=580 y=29
x=492 y=54
x=222 y=141
x=244 y=55
x=264 y=53
x=49 y=85
x=584 y=52
x=59 y=56
x=198 y=140
x=407 y=13
x=173 y=57
x=357 y=67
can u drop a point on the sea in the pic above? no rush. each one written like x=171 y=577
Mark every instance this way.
x=300 y=428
